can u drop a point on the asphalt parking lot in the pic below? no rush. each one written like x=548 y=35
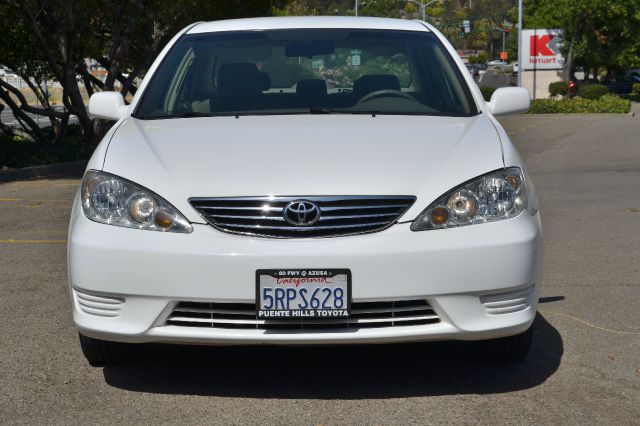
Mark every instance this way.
x=584 y=367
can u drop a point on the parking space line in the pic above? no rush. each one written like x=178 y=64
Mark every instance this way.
x=55 y=231
x=635 y=333
x=11 y=241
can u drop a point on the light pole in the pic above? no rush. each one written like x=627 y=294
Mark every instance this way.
x=519 y=43
x=423 y=7
x=356 y=8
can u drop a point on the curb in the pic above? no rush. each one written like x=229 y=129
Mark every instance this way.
x=73 y=169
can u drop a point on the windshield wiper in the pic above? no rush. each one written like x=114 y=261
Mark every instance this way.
x=340 y=111
x=186 y=114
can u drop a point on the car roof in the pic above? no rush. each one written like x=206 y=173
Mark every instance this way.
x=308 y=22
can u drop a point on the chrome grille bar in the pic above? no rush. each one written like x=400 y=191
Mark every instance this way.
x=339 y=215
x=399 y=313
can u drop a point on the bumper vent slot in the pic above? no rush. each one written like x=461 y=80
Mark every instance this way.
x=506 y=303
x=338 y=215
x=104 y=306
x=243 y=316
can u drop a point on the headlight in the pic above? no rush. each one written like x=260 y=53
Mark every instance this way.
x=116 y=201
x=495 y=196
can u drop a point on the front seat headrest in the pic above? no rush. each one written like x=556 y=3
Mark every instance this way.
x=241 y=80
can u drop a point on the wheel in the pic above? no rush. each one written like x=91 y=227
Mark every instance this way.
x=102 y=352
x=511 y=348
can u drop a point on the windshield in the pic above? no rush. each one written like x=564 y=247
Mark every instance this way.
x=306 y=71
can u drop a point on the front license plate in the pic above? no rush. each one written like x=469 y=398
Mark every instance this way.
x=303 y=293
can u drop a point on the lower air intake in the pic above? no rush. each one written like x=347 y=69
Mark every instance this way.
x=100 y=305
x=398 y=313
x=506 y=303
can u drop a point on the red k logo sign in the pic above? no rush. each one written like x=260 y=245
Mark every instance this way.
x=539 y=45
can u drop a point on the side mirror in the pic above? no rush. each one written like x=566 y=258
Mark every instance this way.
x=509 y=100
x=107 y=105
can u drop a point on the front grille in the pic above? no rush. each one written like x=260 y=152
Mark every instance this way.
x=339 y=215
x=243 y=316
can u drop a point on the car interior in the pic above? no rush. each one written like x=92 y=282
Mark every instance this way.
x=378 y=76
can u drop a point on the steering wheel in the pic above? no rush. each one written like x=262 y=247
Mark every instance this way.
x=384 y=93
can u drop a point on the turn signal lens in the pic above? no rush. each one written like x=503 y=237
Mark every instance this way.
x=164 y=219
x=514 y=181
x=439 y=216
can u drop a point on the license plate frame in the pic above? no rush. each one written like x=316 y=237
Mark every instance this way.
x=310 y=279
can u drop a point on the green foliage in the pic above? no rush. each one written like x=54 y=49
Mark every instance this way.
x=382 y=65
x=592 y=91
x=384 y=8
x=480 y=58
x=599 y=32
x=606 y=104
x=447 y=15
x=487 y=92
x=54 y=38
x=17 y=152
x=636 y=89
x=558 y=88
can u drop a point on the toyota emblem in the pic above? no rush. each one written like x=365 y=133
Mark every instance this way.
x=301 y=213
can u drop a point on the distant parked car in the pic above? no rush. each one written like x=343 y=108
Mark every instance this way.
x=635 y=72
x=471 y=70
x=479 y=70
x=496 y=63
x=622 y=84
x=573 y=87
x=515 y=69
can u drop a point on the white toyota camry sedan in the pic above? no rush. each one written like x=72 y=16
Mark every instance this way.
x=308 y=180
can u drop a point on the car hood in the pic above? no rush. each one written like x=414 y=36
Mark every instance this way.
x=303 y=155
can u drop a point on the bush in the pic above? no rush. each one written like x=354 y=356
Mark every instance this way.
x=558 y=88
x=592 y=91
x=636 y=89
x=16 y=151
x=487 y=92
x=606 y=104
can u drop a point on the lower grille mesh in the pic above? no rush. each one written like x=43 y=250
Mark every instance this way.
x=243 y=316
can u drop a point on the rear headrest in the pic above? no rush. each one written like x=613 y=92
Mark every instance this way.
x=311 y=90
x=241 y=80
x=371 y=83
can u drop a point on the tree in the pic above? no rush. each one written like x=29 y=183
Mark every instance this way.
x=31 y=67
x=57 y=37
x=598 y=33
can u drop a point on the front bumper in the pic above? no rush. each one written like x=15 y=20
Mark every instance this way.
x=455 y=270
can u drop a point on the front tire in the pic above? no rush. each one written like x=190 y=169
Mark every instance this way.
x=511 y=348
x=102 y=352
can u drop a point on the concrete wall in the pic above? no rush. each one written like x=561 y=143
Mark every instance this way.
x=537 y=82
